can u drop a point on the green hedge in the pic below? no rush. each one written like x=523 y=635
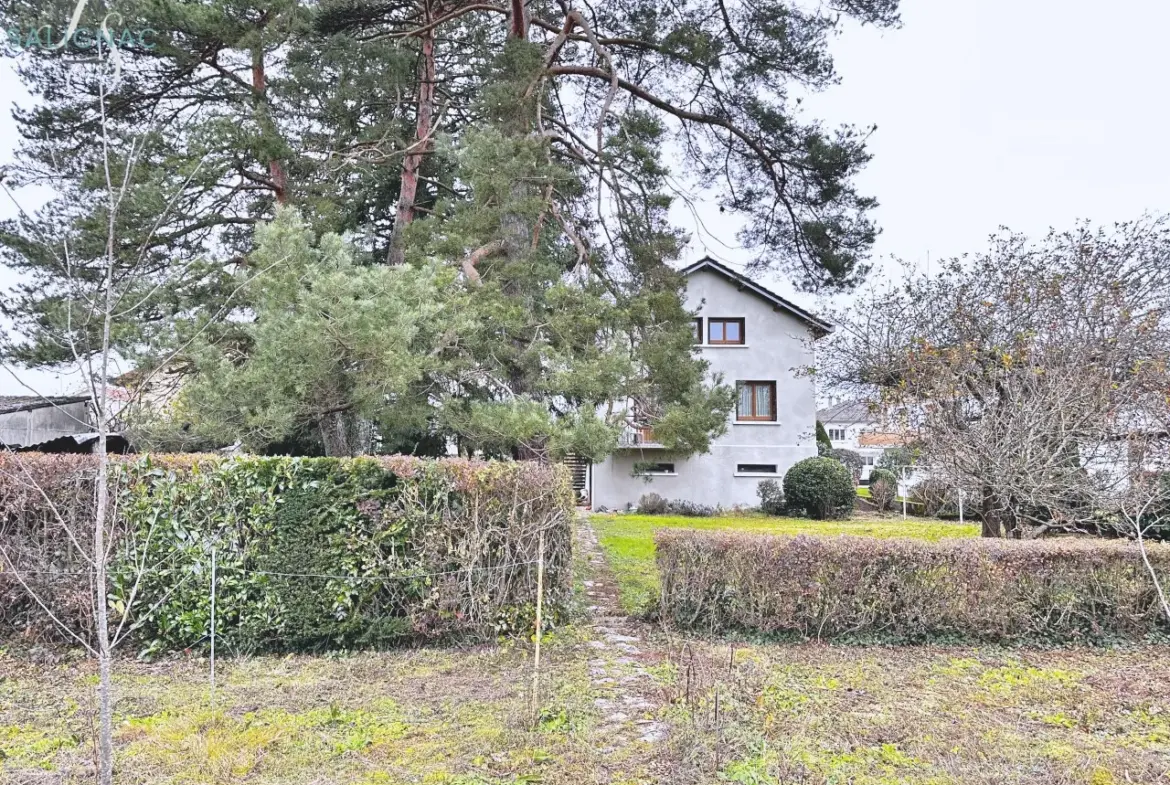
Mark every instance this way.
x=909 y=590
x=310 y=553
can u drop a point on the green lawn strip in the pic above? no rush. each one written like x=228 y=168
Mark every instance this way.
x=628 y=541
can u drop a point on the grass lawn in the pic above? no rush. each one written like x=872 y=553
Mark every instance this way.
x=628 y=540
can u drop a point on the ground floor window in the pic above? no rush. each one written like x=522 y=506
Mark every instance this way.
x=755 y=468
x=654 y=468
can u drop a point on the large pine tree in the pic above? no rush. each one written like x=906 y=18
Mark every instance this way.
x=521 y=147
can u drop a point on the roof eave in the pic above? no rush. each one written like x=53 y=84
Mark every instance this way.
x=819 y=327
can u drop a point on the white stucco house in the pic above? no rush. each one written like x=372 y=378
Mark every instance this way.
x=759 y=342
x=852 y=425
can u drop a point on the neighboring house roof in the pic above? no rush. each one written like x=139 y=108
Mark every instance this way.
x=851 y=412
x=27 y=403
x=820 y=327
x=881 y=440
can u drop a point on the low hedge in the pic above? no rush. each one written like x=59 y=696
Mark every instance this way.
x=311 y=553
x=910 y=590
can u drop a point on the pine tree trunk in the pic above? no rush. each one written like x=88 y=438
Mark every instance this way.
x=346 y=435
x=276 y=174
x=412 y=161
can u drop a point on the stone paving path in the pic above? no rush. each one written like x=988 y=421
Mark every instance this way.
x=618 y=669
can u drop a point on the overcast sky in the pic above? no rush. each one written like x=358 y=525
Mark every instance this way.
x=1028 y=114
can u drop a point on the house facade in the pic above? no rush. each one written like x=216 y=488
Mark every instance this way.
x=759 y=343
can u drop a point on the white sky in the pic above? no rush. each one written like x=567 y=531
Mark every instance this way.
x=1028 y=114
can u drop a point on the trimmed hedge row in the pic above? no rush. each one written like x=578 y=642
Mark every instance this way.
x=310 y=553
x=910 y=590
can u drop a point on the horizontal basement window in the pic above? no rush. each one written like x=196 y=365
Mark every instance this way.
x=656 y=468
x=755 y=468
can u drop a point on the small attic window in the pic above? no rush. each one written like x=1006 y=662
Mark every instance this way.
x=723 y=332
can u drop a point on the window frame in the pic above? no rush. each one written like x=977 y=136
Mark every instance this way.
x=837 y=434
x=725 y=320
x=761 y=469
x=755 y=383
x=699 y=336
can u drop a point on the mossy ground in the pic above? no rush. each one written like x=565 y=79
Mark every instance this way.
x=812 y=713
x=448 y=717
x=628 y=540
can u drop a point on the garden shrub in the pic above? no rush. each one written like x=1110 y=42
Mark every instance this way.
x=938 y=498
x=911 y=590
x=852 y=460
x=689 y=509
x=771 y=497
x=884 y=474
x=882 y=493
x=820 y=488
x=651 y=504
x=883 y=488
x=311 y=554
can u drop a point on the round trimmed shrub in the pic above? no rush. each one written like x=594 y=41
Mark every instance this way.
x=821 y=488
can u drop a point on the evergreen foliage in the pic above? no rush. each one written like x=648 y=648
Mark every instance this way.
x=311 y=554
x=499 y=179
x=821 y=488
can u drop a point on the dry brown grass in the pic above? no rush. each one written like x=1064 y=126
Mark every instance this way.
x=786 y=714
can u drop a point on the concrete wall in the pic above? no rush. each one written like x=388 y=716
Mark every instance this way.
x=777 y=346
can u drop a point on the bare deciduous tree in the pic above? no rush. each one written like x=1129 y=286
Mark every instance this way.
x=109 y=287
x=1025 y=371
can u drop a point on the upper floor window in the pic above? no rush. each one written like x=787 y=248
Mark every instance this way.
x=836 y=434
x=757 y=401
x=697 y=326
x=725 y=331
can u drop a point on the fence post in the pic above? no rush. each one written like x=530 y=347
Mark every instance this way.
x=905 y=489
x=213 y=626
x=960 y=506
x=539 y=627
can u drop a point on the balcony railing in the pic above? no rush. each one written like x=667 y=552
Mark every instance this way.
x=638 y=436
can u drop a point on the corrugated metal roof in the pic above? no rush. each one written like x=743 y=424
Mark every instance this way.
x=27 y=403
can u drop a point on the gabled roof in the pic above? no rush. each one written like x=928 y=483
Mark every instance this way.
x=850 y=412
x=820 y=327
x=27 y=403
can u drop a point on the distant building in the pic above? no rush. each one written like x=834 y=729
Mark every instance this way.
x=853 y=425
x=61 y=424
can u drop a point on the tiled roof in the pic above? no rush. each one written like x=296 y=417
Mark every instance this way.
x=850 y=412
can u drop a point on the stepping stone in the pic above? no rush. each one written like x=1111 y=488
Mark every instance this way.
x=655 y=732
x=613 y=637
